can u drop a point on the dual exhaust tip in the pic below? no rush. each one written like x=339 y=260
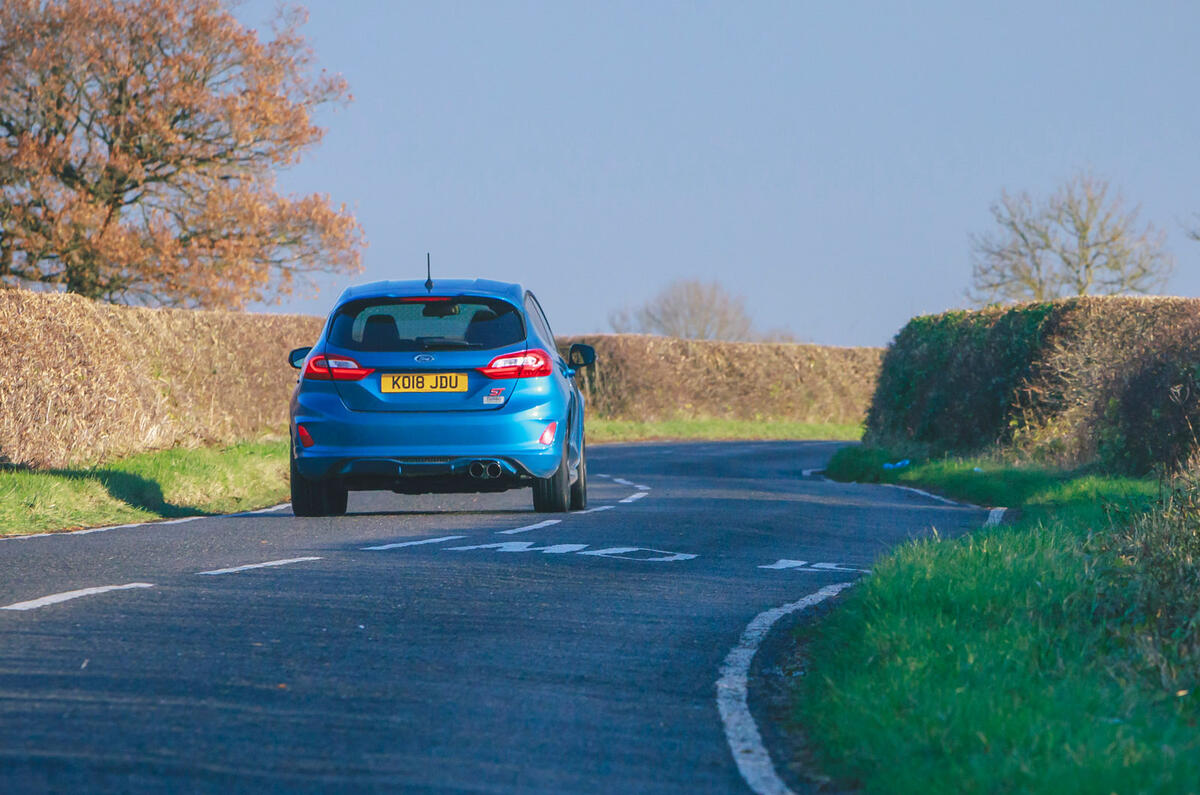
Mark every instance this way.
x=485 y=470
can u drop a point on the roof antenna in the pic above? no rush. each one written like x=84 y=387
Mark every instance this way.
x=428 y=275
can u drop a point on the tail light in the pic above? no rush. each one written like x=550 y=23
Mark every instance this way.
x=547 y=437
x=306 y=439
x=526 y=364
x=335 y=368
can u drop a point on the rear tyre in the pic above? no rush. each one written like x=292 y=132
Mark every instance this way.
x=579 y=487
x=316 y=497
x=553 y=494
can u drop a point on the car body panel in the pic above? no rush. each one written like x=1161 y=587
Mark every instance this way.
x=412 y=442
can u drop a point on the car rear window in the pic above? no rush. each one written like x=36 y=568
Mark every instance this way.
x=426 y=324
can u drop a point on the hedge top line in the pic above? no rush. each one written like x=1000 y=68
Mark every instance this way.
x=1107 y=381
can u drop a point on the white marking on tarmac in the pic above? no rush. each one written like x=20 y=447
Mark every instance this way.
x=623 y=481
x=597 y=510
x=273 y=508
x=524 y=546
x=634 y=497
x=268 y=564
x=995 y=517
x=785 y=563
x=753 y=761
x=68 y=595
x=88 y=530
x=663 y=555
x=415 y=543
x=922 y=493
x=527 y=528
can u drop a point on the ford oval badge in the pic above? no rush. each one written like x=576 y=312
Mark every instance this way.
x=423 y=357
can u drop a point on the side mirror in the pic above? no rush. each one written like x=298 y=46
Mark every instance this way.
x=581 y=355
x=297 y=357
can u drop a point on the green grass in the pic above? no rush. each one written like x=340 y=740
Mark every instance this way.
x=202 y=481
x=161 y=485
x=1014 y=659
x=601 y=430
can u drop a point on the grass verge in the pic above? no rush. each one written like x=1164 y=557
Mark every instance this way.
x=201 y=481
x=1034 y=657
x=602 y=430
x=145 y=487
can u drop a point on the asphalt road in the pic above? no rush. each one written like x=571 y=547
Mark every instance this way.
x=579 y=656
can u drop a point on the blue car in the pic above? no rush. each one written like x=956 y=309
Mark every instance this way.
x=418 y=388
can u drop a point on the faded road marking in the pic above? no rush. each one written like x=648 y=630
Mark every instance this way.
x=527 y=528
x=68 y=595
x=923 y=494
x=635 y=497
x=753 y=761
x=597 y=510
x=803 y=565
x=660 y=556
x=415 y=543
x=268 y=564
x=524 y=546
x=995 y=517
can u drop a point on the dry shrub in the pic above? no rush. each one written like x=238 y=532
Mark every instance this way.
x=1146 y=570
x=643 y=377
x=85 y=381
x=1112 y=381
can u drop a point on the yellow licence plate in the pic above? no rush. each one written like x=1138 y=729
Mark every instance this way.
x=424 y=382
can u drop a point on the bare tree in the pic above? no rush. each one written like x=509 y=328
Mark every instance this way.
x=1081 y=241
x=688 y=309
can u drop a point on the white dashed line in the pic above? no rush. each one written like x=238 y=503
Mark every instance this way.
x=527 y=528
x=623 y=481
x=634 y=497
x=753 y=761
x=68 y=595
x=598 y=509
x=268 y=564
x=523 y=546
x=415 y=543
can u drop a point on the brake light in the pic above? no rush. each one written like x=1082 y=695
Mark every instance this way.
x=547 y=437
x=335 y=368
x=306 y=439
x=526 y=364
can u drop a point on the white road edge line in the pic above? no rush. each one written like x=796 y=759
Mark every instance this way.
x=87 y=530
x=995 y=517
x=527 y=528
x=68 y=595
x=414 y=543
x=268 y=564
x=924 y=494
x=745 y=742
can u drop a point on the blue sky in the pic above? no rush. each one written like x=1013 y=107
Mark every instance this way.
x=827 y=161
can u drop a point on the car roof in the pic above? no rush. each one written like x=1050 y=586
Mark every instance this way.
x=511 y=292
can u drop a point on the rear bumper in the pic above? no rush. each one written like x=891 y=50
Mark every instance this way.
x=386 y=448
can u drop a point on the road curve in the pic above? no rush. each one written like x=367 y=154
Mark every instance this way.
x=428 y=644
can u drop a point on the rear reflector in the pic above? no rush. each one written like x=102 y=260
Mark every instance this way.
x=547 y=437
x=306 y=439
x=335 y=368
x=532 y=363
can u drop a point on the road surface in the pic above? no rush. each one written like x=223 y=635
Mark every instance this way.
x=428 y=644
